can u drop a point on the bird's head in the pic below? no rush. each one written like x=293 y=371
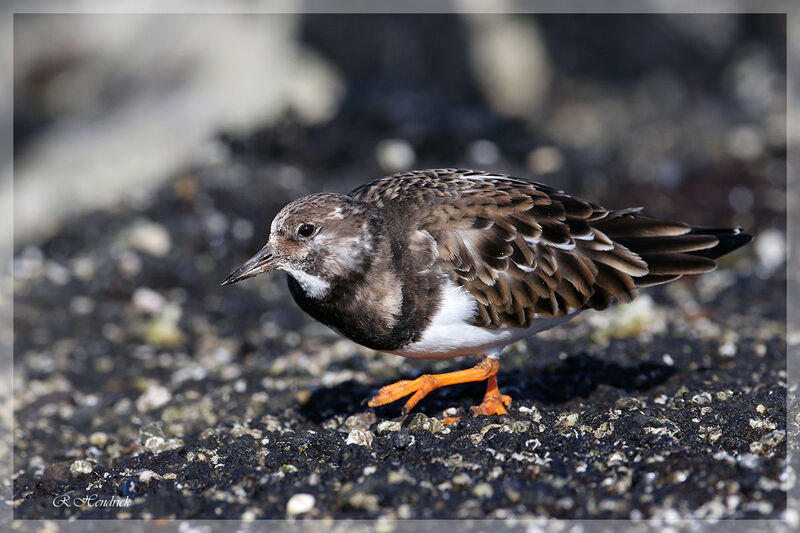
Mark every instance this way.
x=317 y=239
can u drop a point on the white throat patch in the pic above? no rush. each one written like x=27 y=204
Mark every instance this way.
x=314 y=287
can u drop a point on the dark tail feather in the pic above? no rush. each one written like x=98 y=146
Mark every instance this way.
x=669 y=256
x=729 y=240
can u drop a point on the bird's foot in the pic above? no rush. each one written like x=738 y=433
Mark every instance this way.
x=492 y=404
x=420 y=387
x=425 y=384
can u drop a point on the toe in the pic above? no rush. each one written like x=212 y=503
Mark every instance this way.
x=426 y=385
x=391 y=393
x=491 y=406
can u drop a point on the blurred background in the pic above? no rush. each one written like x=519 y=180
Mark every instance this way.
x=682 y=113
x=152 y=151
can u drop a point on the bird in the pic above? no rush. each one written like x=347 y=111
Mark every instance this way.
x=444 y=263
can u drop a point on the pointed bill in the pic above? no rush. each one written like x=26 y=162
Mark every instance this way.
x=264 y=261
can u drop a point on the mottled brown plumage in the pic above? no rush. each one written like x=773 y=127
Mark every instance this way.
x=525 y=250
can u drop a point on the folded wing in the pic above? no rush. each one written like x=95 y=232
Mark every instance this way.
x=525 y=250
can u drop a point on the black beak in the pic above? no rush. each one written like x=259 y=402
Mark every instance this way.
x=264 y=261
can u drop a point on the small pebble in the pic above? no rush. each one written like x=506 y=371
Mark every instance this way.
x=154 y=396
x=401 y=440
x=81 y=466
x=151 y=238
x=360 y=421
x=568 y=420
x=153 y=439
x=520 y=426
x=57 y=274
x=98 y=439
x=703 y=398
x=531 y=412
x=483 y=490
x=148 y=300
x=727 y=349
x=93 y=453
x=299 y=504
x=83 y=268
x=129 y=264
x=81 y=305
x=57 y=472
x=153 y=429
x=389 y=425
x=164 y=332
x=427 y=423
x=461 y=480
x=155 y=444
x=146 y=476
x=394 y=155
x=360 y=437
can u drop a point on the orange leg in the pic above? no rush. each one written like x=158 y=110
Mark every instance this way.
x=493 y=403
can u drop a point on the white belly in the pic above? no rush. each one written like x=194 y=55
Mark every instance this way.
x=450 y=334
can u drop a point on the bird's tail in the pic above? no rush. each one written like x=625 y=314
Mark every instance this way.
x=673 y=249
x=729 y=239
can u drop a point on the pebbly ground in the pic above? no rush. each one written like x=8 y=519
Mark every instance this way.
x=138 y=376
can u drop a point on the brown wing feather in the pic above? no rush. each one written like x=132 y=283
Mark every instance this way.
x=526 y=250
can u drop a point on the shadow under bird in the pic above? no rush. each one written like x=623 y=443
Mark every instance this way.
x=444 y=263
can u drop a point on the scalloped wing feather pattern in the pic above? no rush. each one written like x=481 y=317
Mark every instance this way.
x=526 y=251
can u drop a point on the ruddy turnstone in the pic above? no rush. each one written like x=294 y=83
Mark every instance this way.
x=443 y=263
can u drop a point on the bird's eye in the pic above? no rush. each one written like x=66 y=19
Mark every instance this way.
x=306 y=230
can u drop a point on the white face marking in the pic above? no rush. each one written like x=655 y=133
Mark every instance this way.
x=450 y=335
x=313 y=286
x=341 y=253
